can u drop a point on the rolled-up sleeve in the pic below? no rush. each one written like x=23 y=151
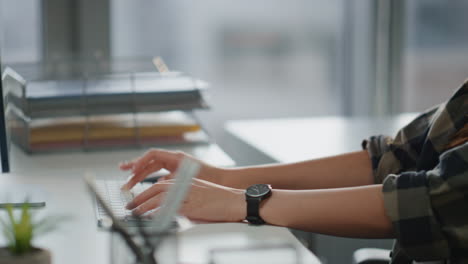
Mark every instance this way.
x=382 y=158
x=429 y=209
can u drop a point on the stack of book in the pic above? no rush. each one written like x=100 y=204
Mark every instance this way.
x=107 y=111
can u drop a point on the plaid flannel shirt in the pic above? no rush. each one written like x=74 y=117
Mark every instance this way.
x=425 y=185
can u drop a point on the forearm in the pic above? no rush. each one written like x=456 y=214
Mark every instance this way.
x=351 y=169
x=349 y=212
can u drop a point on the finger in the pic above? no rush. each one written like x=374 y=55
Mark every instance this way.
x=150 y=204
x=164 y=157
x=150 y=169
x=136 y=178
x=162 y=179
x=170 y=176
x=130 y=165
x=152 y=191
x=126 y=165
x=141 y=162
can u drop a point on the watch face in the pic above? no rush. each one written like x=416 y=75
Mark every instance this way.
x=258 y=190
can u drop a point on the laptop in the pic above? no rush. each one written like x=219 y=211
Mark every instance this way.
x=112 y=204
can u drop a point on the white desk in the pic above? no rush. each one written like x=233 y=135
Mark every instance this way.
x=79 y=240
x=291 y=140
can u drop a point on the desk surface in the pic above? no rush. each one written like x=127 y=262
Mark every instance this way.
x=79 y=240
x=290 y=140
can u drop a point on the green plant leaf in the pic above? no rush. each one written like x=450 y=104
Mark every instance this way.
x=24 y=230
x=12 y=244
x=8 y=232
x=20 y=232
x=9 y=209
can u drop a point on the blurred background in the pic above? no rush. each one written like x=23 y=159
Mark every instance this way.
x=264 y=58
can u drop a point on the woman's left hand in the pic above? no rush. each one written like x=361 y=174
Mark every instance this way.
x=205 y=201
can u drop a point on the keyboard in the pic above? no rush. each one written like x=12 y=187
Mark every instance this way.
x=117 y=200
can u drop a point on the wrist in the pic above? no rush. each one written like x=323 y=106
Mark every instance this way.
x=239 y=206
x=235 y=177
x=227 y=177
x=213 y=174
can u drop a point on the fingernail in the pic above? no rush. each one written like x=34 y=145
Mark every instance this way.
x=124 y=188
x=130 y=176
x=130 y=206
x=136 y=212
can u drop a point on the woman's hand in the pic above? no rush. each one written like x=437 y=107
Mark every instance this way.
x=205 y=201
x=157 y=159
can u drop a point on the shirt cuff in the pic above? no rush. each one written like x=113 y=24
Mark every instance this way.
x=382 y=158
x=407 y=203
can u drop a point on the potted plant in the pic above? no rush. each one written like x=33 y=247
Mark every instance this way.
x=19 y=232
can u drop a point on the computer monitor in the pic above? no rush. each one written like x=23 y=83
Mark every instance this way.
x=13 y=194
x=4 y=144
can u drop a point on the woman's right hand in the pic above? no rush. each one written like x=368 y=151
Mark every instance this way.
x=157 y=159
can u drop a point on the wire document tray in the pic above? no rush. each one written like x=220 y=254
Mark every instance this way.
x=106 y=94
x=108 y=111
x=104 y=131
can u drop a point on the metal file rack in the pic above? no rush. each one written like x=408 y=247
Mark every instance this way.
x=102 y=112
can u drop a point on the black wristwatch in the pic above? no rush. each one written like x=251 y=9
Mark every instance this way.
x=254 y=195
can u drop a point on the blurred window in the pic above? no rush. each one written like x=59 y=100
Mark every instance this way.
x=275 y=58
x=20 y=32
x=435 y=52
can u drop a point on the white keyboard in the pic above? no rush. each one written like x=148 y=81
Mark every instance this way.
x=117 y=200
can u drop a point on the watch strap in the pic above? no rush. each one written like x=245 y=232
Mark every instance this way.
x=253 y=209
